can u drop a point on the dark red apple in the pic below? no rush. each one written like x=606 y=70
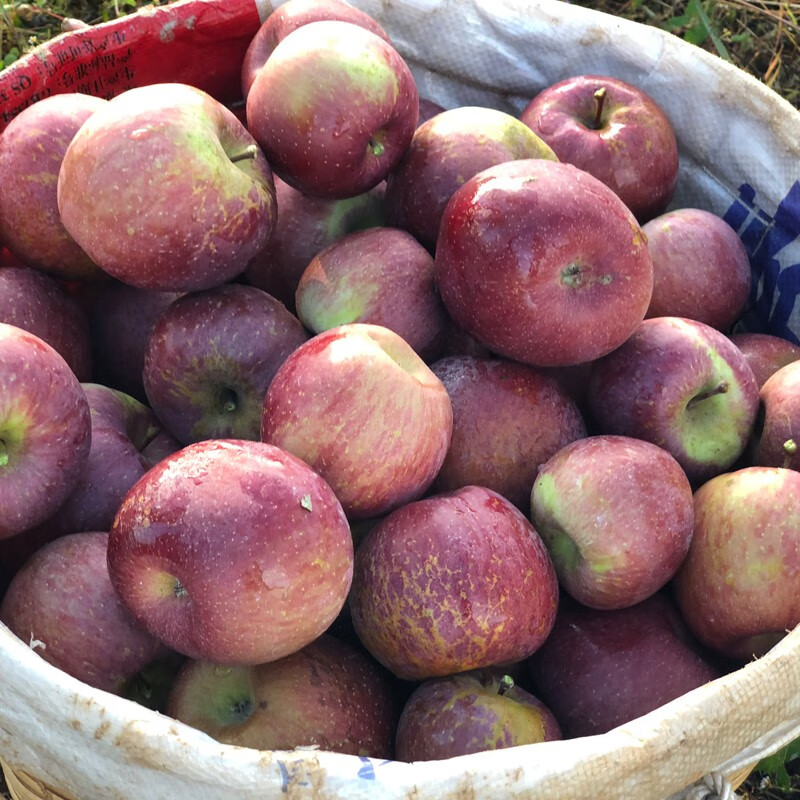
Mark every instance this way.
x=334 y=108
x=427 y=110
x=451 y=583
x=777 y=443
x=210 y=358
x=233 y=552
x=765 y=354
x=542 y=263
x=616 y=132
x=508 y=419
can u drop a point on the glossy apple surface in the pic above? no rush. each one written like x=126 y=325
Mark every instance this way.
x=777 y=444
x=765 y=354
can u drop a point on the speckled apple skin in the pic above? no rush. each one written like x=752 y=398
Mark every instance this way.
x=445 y=153
x=63 y=598
x=765 y=354
x=508 y=419
x=463 y=714
x=600 y=669
x=45 y=430
x=148 y=190
x=739 y=587
x=33 y=301
x=258 y=542
x=634 y=151
x=451 y=583
x=381 y=276
x=643 y=389
x=700 y=268
x=291 y=16
x=542 y=263
x=334 y=108
x=210 y=346
x=360 y=407
x=625 y=505
x=780 y=400
x=32 y=149
x=328 y=695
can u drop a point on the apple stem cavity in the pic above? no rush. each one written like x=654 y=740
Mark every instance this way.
x=248 y=153
x=599 y=102
x=721 y=388
x=506 y=685
x=3 y=454
x=230 y=401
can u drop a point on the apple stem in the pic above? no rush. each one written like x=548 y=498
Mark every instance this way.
x=599 y=102
x=721 y=388
x=249 y=152
x=377 y=148
x=3 y=454
x=790 y=450
x=506 y=684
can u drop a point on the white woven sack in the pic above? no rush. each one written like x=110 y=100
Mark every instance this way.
x=740 y=147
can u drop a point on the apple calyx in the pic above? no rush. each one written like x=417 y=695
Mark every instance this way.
x=599 y=102
x=574 y=277
x=230 y=401
x=721 y=388
x=250 y=152
x=506 y=685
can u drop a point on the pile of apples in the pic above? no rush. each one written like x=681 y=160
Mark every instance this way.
x=432 y=442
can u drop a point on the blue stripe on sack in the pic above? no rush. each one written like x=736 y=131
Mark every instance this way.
x=776 y=284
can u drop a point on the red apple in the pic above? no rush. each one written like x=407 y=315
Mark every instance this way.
x=63 y=604
x=508 y=419
x=334 y=108
x=777 y=444
x=45 y=430
x=600 y=669
x=233 y=552
x=765 y=354
x=360 y=407
x=289 y=17
x=683 y=386
x=38 y=304
x=165 y=189
x=451 y=583
x=738 y=587
x=306 y=226
x=616 y=516
x=32 y=149
x=542 y=263
x=470 y=713
x=210 y=358
x=445 y=153
x=700 y=268
x=327 y=695
x=614 y=131
x=381 y=276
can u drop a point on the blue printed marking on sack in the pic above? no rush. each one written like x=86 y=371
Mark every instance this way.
x=773 y=306
x=367 y=771
x=289 y=776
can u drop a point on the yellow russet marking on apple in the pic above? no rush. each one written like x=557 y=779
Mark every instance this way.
x=163 y=584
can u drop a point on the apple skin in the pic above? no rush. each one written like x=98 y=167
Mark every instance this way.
x=777 y=444
x=505 y=282
x=296 y=109
x=329 y=695
x=700 y=268
x=291 y=16
x=508 y=419
x=765 y=354
x=644 y=389
x=120 y=320
x=451 y=583
x=446 y=152
x=381 y=276
x=633 y=150
x=32 y=149
x=616 y=515
x=150 y=190
x=36 y=303
x=210 y=359
x=305 y=227
x=233 y=552
x=601 y=669
x=363 y=385
x=470 y=713
x=738 y=587
x=64 y=599
x=45 y=430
